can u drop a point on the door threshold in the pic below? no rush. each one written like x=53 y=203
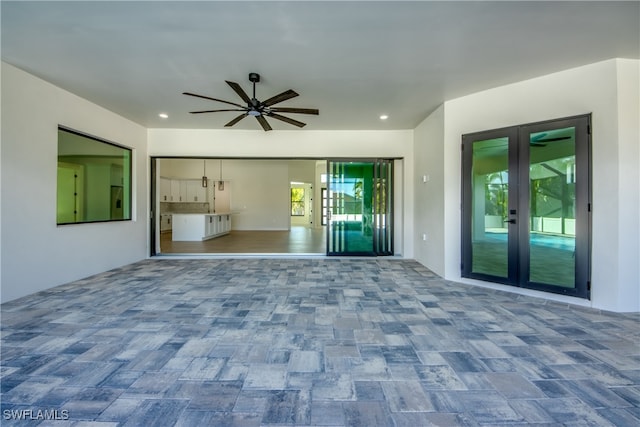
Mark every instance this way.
x=237 y=255
x=266 y=255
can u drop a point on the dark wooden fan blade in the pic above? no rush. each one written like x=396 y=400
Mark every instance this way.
x=236 y=87
x=287 y=94
x=295 y=110
x=287 y=120
x=214 y=111
x=212 y=99
x=236 y=120
x=263 y=123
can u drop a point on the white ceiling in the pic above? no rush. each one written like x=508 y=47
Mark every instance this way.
x=352 y=60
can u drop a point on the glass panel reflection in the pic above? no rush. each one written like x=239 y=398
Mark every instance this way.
x=94 y=180
x=552 y=192
x=489 y=205
x=351 y=210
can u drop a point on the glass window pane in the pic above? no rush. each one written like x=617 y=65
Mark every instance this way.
x=351 y=206
x=297 y=201
x=490 y=199
x=94 y=179
x=552 y=191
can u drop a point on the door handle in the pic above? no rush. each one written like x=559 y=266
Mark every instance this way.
x=511 y=221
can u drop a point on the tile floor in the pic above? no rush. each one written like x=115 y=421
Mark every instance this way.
x=324 y=342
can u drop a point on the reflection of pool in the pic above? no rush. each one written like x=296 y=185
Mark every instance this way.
x=566 y=243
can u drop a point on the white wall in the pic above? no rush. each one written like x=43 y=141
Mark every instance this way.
x=36 y=253
x=429 y=195
x=608 y=90
x=302 y=171
x=628 y=221
x=260 y=194
x=295 y=145
x=189 y=168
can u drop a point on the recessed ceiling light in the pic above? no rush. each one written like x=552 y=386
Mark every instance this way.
x=163 y=115
x=384 y=117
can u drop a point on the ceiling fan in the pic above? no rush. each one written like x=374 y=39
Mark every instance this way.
x=258 y=109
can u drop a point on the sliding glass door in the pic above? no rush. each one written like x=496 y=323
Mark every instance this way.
x=526 y=206
x=359 y=218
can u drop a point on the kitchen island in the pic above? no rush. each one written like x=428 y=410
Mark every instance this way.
x=198 y=226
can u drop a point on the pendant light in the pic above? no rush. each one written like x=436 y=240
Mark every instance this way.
x=204 y=173
x=221 y=182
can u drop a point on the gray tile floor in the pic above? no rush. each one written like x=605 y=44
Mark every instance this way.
x=325 y=342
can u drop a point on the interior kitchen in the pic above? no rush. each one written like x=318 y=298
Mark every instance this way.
x=239 y=205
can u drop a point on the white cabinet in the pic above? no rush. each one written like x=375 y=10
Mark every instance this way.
x=198 y=227
x=210 y=225
x=182 y=190
x=165 y=222
x=178 y=190
x=165 y=190
x=195 y=192
x=223 y=224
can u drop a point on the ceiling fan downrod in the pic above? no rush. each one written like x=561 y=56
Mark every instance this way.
x=254 y=78
x=254 y=104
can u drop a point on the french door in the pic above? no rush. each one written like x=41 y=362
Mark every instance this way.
x=526 y=206
x=360 y=208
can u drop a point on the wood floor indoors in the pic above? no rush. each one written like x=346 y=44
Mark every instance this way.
x=298 y=240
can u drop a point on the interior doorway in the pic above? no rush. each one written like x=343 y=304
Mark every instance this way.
x=301 y=203
x=265 y=214
x=245 y=206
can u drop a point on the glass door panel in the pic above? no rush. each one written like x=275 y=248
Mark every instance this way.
x=382 y=207
x=350 y=215
x=490 y=207
x=359 y=211
x=526 y=206
x=552 y=207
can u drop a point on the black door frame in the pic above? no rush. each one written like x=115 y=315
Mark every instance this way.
x=518 y=204
x=153 y=212
x=511 y=133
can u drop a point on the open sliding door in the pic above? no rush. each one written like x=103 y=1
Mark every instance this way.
x=360 y=211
